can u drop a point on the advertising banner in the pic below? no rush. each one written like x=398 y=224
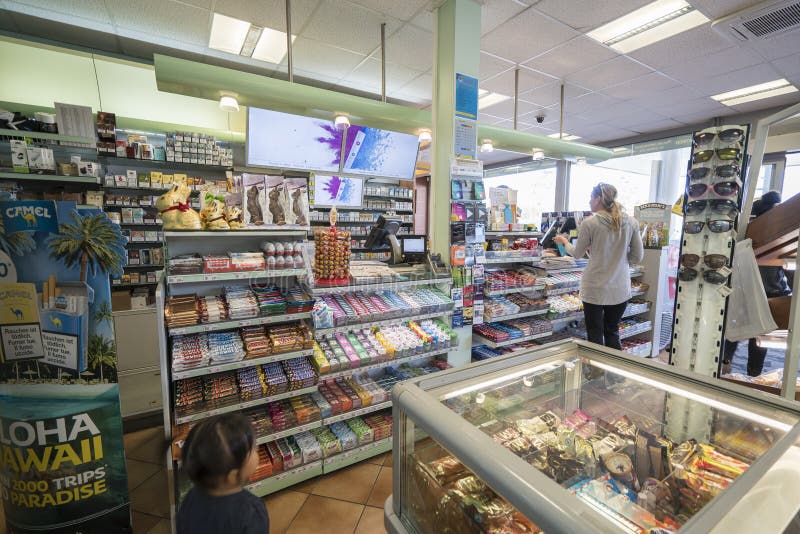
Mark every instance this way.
x=62 y=460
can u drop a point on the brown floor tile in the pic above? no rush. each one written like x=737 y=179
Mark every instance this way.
x=307 y=486
x=136 y=439
x=142 y=523
x=388 y=461
x=352 y=483
x=320 y=515
x=138 y=472
x=382 y=489
x=282 y=508
x=377 y=460
x=163 y=527
x=371 y=521
x=149 y=447
x=152 y=497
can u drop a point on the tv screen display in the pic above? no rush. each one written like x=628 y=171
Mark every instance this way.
x=338 y=191
x=377 y=152
x=282 y=140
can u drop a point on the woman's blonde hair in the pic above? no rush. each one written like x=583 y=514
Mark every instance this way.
x=607 y=193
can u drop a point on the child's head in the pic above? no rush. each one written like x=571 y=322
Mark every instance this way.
x=220 y=452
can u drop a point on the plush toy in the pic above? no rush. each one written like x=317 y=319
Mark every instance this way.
x=173 y=206
x=234 y=217
x=213 y=215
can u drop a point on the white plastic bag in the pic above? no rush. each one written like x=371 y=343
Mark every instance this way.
x=748 y=310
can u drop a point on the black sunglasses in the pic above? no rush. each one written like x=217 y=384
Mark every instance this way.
x=723 y=189
x=727 y=136
x=717 y=226
x=714 y=261
x=718 y=206
x=723 y=171
x=687 y=274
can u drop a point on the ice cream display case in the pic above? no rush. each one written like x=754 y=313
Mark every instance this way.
x=573 y=437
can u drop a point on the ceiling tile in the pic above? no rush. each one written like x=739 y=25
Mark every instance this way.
x=780 y=46
x=509 y=123
x=585 y=15
x=363 y=26
x=411 y=47
x=331 y=62
x=618 y=70
x=491 y=66
x=504 y=83
x=737 y=79
x=269 y=13
x=684 y=46
x=550 y=95
x=488 y=118
x=565 y=59
x=635 y=119
x=496 y=12
x=788 y=66
x=419 y=88
x=525 y=36
x=368 y=76
x=602 y=133
x=166 y=20
x=622 y=112
x=424 y=20
x=505 y=109
x=699 y=67
x=715 y=9
x=674 y=95
x=782 y=100
x=404 y=10
x=676 y=109
x=700 y=117
x=91 y=9
x=641 y=87
x=657 y=126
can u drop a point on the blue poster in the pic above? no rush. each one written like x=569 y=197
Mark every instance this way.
x=466 y=96
x=29 y=216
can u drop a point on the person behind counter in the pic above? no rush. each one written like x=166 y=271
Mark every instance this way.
x=613 y=240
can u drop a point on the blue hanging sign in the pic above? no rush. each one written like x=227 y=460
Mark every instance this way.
x=29 y=216
x=466 y=96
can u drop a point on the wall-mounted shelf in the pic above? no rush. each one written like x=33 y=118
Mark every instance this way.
x=49 y=178
x=49 y=136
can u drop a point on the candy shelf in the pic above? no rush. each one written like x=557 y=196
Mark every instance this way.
x=238 y=405
x=346 y=458
x=381 y=365
x=248 y=362
x=237 y=275
x=227 y=325
x=578 y=316
x=635 y=332
x=561 y=291
x=375 y=286
x=288 y=432
x=515 y=259
x=356 y=413
x=524 y=289
x=285 y=479
x=636 y=309
x=491 y=344
x=517 y=315
x=321 y=332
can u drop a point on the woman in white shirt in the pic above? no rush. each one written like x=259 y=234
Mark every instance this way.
x=612 y=239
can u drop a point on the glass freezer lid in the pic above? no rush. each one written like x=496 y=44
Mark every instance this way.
x=647 y=450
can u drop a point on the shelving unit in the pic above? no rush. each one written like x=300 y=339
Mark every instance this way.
x=494 y=345
x=50 y=178
x=47 y=136
x=322 y=332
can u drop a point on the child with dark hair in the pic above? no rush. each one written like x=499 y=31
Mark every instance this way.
x=219 y=455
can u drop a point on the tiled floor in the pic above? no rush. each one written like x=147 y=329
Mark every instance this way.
x=347 y=501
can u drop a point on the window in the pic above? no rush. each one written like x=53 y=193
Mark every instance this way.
x=791 y=176
x=631 y=176
x=766 y=176
x=536 y=192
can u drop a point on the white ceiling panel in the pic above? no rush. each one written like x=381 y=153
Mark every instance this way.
x=571 y=56
x=587 y=104
x=700 y=117
x=349 y=26
x=488 y=118
x=674 y=95
x=685 y=46
x=419 y=89
x=411 y=47
x=736 y=80
x=525 y=36
x=657 y=126
x=509 y=123
x=715 y=9
x=621 y=111
x=504 y=83
x=603 y=132
x=585 y=15
x=404 y=10
x=171 y=20
x=788 y=66
x=331 y=62
x=423 y=20
x=706 y=105
x=618 y=70
x=90 y=9
x=641 y=87
x=496 y=12
x=696 y=68
x=368 y=76
x=491 y=66
x=550 y=95
x=639 y=120
x=778 y=47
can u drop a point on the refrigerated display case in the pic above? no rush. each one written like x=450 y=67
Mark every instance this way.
x=573 y=437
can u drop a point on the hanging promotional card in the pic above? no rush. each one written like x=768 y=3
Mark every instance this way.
x=20 y=332
x=276 y=211
x=254 y=200
x=654 y=222
x=297 y=196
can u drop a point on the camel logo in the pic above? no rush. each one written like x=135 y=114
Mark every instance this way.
x=17 y=313
x=29 y=216
x=30 y=219
x=56 y=322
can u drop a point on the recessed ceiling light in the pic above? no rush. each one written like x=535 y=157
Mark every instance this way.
x=228 y=34
x=755 y=92
x=564 y=137
x=271 y=46
x=649 y=24
x=490 y=99
x=487 y=146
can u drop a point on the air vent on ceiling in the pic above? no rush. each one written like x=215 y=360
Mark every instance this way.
x=763 y=21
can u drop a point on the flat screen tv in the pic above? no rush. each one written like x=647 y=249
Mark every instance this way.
x=374 y=152
x=339 y=191
x=285 y=141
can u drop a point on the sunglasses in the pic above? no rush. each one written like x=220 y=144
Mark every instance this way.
x=686 y=274
x=717 y=226
x=718 y=206
x=723 y=171
x=723 y=189
x=714 y=261
x=702 y=156
x=726 y=136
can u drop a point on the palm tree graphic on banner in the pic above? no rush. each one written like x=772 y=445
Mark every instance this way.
x=92 y=242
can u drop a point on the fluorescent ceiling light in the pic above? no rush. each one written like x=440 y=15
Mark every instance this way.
x=482 y=92
x=490 y=99
x=619 y=149
x=228 y=34
x=649 y=24
x=271 y=46
x=755 y=92
x=565 y=137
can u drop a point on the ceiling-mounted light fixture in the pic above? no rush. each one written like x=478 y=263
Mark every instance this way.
x=649 y=24
x=487 y=145
x=342 y=122
x=425 y=136
x=228 y=103
x=242 y=38
x=755 y=92
x=580 y=160
x=564 y=137
x=538 y=154
x=490 y=99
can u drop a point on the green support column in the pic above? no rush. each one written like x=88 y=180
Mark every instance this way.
x=457 y=41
